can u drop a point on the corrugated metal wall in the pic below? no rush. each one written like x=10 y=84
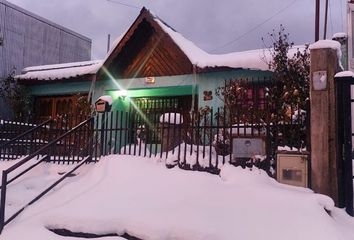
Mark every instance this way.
x=30 y=41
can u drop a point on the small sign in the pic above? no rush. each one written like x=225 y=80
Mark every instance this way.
x=150 y=80
x=319 y=80
x=208 y=95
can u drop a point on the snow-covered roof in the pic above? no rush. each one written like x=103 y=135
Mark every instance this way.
x=60 y=71
x=253 y=59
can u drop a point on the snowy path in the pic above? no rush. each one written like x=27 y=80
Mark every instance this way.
x=27 y=187
x=144 y=199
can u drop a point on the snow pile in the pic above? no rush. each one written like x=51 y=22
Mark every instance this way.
x=171 y=118
x=244 y=177
x=290 y=149
x=106 y=98
x=339 y=35
x=345 y=74
x=335 y=45
x=124 y=194
x=326 y=44
x=193 y=155
x=27 y=187
x=60 y=71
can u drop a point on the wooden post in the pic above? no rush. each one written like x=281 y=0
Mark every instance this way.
x=324 y=178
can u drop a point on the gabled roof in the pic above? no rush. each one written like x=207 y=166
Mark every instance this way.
x=146 y=49
x=196 y=56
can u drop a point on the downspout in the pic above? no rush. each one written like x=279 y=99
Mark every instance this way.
x=194 y=86
x=92 y=89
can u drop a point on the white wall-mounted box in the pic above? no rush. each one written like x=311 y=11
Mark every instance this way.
x=292 y=169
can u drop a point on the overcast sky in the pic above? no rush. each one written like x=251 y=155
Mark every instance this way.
x=210 y=24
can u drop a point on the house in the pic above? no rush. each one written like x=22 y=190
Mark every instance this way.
x=27 y=39
x=150 y=64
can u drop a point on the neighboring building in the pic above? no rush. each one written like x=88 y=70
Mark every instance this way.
x=30 y=40
x=150 y=61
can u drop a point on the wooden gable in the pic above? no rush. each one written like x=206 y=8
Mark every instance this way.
x=146 y=51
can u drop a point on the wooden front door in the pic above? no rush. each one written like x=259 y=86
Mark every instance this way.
x=57 y=106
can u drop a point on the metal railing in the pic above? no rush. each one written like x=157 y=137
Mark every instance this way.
x=43 y=151
x=25 y=142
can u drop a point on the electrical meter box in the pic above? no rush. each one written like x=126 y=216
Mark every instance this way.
x=292 y=169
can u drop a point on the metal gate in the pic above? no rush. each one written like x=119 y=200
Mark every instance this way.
x=345 y=137
x=152 y=108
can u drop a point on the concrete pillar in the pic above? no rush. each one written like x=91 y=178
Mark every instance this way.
x=324 y=62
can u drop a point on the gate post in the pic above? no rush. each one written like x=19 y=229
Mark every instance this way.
x=344 y=85
x=324 y=65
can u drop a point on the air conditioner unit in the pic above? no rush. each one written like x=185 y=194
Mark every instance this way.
x=292 y=169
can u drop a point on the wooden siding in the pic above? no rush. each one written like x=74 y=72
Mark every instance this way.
x=146 y=51
x=29 y=40
x=159 y=57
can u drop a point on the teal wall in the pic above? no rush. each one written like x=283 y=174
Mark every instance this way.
x=164 y=86
x=62 y=88
x=211 y=81
x=174 y=86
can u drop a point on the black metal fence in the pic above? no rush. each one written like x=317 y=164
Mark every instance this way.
x=254 y=122
x=20 y=139
x=201 y=140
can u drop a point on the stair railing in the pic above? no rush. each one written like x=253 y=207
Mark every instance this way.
x=22 y=137
x=43 y=151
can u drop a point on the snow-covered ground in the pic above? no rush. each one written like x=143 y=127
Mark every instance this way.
x=127 y=194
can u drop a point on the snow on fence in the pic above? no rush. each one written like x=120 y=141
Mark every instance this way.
x=202 y=140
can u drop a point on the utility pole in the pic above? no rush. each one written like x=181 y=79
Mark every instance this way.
x=325 y=21
x=317 y=21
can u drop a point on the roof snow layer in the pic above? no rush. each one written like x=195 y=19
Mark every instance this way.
x=60 y=71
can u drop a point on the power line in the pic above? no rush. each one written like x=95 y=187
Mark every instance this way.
x=124 y=4
x=257 y=26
